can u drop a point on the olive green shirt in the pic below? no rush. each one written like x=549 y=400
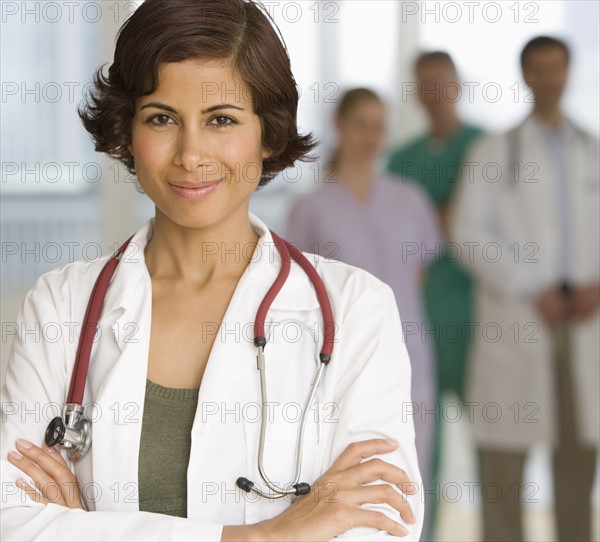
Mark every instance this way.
x=165 y=448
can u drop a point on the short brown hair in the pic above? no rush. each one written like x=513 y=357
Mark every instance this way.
x=352 y=98
x=162 y=31
x=542 y=42
x=434 y=56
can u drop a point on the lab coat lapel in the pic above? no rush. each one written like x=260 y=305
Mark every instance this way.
x=117 y=429
x=539 y=193
x=222 y=443
x=118 y=369
x=233 y=349
x=124 y=325
x=122 y=298
x=233 y=353
x=583 y=176
x=117 y=379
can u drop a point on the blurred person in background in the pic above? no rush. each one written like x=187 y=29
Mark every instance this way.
x=434 y=160
x=539 y=208
x=368 y=219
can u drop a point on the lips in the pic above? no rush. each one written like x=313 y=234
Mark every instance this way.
x=195 y=191
x=195 y=185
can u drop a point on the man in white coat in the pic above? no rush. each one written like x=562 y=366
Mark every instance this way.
x=526 y=219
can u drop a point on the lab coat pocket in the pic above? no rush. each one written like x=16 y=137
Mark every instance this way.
x=290 y=363
x=279 y=464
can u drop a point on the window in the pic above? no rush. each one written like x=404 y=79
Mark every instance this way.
x=49 y=50
x=485 y=40
x=51 y=175
x=333 y=46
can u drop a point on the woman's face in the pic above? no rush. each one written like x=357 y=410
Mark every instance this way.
x=196 y=143
x=362 y=130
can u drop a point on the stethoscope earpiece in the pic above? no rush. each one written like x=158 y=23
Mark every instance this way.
x=302 y=488
x=246 y=485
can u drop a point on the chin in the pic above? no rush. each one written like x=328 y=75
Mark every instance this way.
x=192 y=219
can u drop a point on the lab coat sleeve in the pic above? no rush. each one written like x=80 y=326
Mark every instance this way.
x=373 y=393
x=473 y=223
x=35 y=386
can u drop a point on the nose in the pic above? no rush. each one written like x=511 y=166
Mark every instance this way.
x=193 y=149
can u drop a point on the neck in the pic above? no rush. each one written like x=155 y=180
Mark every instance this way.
x=220 y=251
x=551 y=115
x=357 y=176
x=445 y=126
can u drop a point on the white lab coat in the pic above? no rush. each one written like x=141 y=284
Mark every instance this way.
x=511 y=383
x=364 y=393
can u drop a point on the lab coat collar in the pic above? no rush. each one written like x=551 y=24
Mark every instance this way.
x=534 y=126
x=119 y=369
x=132 y=275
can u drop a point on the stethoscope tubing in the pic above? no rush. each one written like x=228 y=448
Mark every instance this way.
x=90 y=320
x=286 y=251
x=75 y=434
x=279 y=492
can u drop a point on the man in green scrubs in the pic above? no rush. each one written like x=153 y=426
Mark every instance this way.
x=435 y=160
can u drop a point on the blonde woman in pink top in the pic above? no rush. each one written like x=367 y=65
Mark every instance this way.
x=370 y=220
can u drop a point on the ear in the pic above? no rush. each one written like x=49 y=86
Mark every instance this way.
x=265 y=153
x=130 y=149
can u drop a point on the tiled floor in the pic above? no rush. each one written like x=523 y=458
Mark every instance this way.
x=459 y=520
x=462 y=523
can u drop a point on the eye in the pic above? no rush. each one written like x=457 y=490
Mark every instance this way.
x=161 y=119
x=221 y=121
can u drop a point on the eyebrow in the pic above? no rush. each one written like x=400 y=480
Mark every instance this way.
x=210 y=109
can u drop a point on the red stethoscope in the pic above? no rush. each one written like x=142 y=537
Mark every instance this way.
x=73 y=431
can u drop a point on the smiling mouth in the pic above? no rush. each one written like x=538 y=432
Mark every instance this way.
x=193 y=191
x=195 y=186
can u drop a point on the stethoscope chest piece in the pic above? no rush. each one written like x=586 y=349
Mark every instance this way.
x=74 y=434
x=73 y=431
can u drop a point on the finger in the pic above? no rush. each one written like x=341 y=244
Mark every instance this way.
x=377 y=520
x=384 y=493
x=356 y=451
x=55 y=454
x=51 y=462
x=66 y=480
x=378 y=469
x=54 y=479
x=30 y=491
x=41 y=480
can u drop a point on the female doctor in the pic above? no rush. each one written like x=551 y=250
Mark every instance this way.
x=200 y=103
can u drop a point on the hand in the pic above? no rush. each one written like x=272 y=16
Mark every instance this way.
x=552 y=306
x=333 y=505
x=584 y=301
x=47 y=468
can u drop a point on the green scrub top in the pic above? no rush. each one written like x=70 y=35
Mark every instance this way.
x=437 y=166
